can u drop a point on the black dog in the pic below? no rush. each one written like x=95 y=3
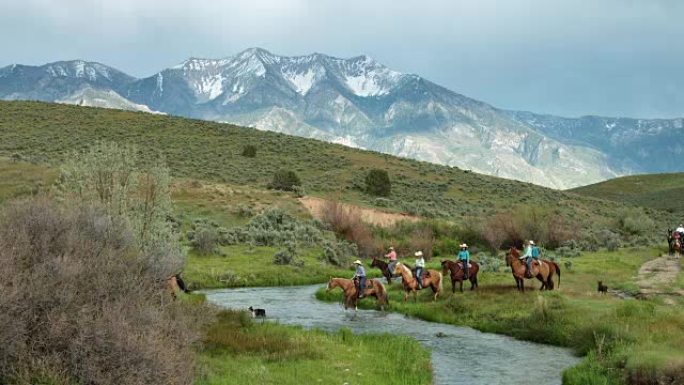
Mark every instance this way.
x=602 y=288
x=257 y=312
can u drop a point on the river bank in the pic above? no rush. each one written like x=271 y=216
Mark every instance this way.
x=491 y=359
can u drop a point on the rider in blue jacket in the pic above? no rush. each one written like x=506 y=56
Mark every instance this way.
x=464 y=257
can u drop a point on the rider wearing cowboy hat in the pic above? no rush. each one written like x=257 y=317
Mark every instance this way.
x=464 y=257
x=420 y=266
x=361 y=275
x=531 y=254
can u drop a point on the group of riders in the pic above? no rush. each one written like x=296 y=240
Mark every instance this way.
x=530 y=255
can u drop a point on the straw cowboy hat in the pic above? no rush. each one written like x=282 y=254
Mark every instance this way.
x=391 y=248
x=531 y=242
x=418 y=253
x=357 y=262
x=464 y=245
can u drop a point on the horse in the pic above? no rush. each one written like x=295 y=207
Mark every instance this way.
x=175 y=283
x=410 y=284
x=670 y=241
x=457 y=274
x=384 y=268
x=543 y=272
x=374 y=288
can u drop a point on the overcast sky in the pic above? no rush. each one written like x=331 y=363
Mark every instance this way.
x=565 y=57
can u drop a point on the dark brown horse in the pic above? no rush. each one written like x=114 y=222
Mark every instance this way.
x=175 y=283
x=455 y=270
x=674 y=241
x=384 y=268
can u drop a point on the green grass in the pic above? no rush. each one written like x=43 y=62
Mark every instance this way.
x=241 y=352
x=658 y=191
x=245 y=266
x=207 y=151
x=20 y=179
x=621 y=338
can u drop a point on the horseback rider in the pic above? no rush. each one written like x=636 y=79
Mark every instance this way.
x=464 y=257
x=531 y=254
x=392 y=255
x=420 y=266
x=361 y=276
x=680 y=231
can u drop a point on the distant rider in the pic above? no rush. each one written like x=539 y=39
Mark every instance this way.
x=420 y=266
x=392 y=255
x=464 y=257
x=361 y=275
x=531 y=254
x=680 y=230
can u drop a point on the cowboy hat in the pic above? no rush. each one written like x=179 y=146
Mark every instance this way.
x=531 y=242
x=464 y=245
x=357 y=262
x=391 y=248
x=418 y=253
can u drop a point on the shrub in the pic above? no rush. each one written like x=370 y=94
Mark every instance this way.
x=635 y=222
x=378 y=183
x=82 y=304
x=287 y=256
x=205 y=240
x=285 y=180
x=347 y=224
x=340 y=253
x=249 y=151
x=125 y=185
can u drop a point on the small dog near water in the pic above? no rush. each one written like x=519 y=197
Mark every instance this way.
x=257 y=312
x=602 y=288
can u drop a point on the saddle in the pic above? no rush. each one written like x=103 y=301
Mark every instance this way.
x=460 y=263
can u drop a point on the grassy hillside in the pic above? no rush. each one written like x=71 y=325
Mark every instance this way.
x=659 y=191
x=46 y=133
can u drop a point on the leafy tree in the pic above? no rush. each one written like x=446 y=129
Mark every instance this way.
x=378 y=183
x=285 y=180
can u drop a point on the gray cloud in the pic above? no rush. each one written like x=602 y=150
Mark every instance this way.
x=568 y=57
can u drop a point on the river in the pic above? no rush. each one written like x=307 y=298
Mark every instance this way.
x=460 y=355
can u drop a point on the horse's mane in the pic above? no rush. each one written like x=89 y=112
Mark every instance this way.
x=405 y=268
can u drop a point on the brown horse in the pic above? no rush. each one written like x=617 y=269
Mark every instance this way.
x=457 y=274
x=410 y=284
x=542 y=271
x=374 y=288
x=175 y=283
x=675 y=242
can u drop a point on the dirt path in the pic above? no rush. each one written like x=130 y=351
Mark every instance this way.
x=657 y=277
x=372 y=216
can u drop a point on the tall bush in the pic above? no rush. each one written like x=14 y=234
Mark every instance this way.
x=82 y=304
x=378 y=183
x=285 y=180
x=117 y=178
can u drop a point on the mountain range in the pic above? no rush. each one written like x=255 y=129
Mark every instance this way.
x=362 y=103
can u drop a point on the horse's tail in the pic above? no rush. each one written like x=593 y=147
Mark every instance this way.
x=441 y=279
x=382 y=292
x=181 y=283
x=558 y=272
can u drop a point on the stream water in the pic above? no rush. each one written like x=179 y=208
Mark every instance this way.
x=460 y=355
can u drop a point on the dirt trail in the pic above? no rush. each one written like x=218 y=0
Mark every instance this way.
x=657 y=277
x=372 y=216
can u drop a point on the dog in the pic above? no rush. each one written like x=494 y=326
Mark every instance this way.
x=602 y=288
x=257 y=312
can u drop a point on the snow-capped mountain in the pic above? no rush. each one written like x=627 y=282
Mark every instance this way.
x=360 y=102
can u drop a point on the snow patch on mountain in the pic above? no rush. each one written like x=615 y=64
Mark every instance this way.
x=301 y=81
